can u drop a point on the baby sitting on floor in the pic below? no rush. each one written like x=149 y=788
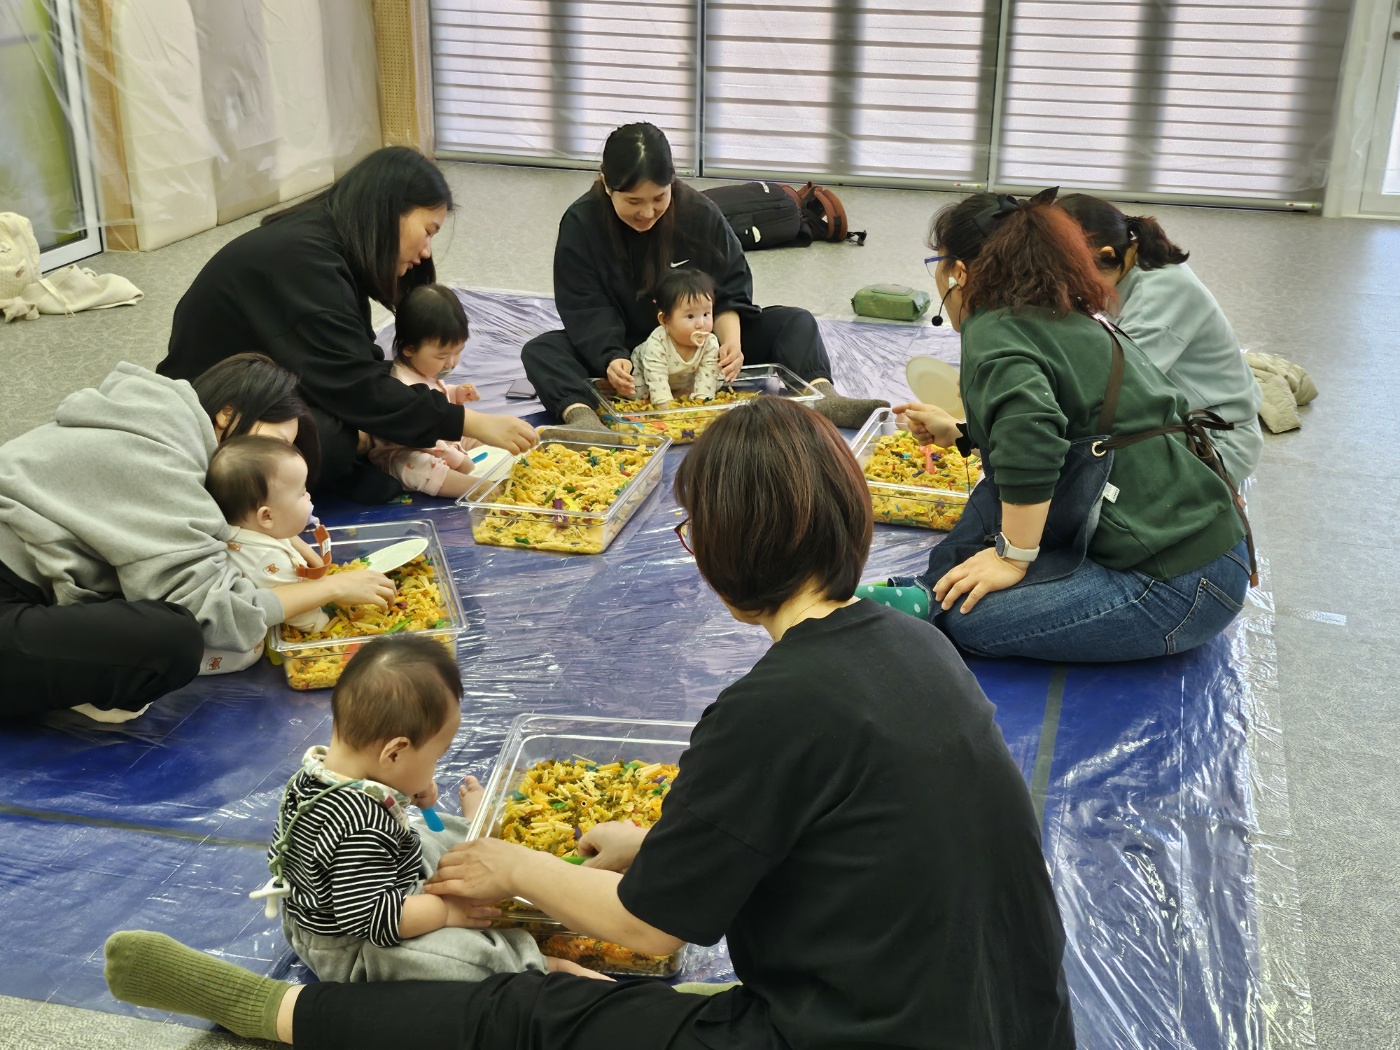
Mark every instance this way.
x=682 y=355
x=430 y=332
x=346 y=861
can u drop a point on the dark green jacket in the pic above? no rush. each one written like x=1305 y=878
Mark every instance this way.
x=1031 y=383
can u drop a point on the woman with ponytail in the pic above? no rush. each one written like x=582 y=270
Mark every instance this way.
x=1099 y=533
x=1172 y=317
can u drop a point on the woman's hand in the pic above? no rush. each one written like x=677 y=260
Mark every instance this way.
x=731 y=359
x=482 y=870
x=612 y=846
x=620 y=376
x=507 y=432
x=362 y=587
x=929 y=424
x=981 y=574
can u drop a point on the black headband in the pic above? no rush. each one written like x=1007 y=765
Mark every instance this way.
x=989 y=217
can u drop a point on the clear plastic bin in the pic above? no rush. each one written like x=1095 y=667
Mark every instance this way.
x=317 y=664
x=568 y=531
x=684 y=425
x=917 y=505
x=540 y=738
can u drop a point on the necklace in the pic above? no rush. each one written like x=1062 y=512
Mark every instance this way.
x=801 y=614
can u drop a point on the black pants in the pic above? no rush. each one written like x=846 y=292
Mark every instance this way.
x=778 y=335
x=343 y=472
x=113 y=654
x=515 y=1010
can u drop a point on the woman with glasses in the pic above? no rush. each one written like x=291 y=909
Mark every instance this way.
x=847 y=815
x=1106 y=527
x=634 y=225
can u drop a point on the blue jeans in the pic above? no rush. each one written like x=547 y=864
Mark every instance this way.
x=1099 y=615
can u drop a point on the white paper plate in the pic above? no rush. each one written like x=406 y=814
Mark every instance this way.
x=935 y=383
x=391 y=557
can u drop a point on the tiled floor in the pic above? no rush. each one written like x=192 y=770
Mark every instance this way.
x=1325 y=505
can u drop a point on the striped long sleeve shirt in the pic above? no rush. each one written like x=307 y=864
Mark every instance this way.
x=350 y=863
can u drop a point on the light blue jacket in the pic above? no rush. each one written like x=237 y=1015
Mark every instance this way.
x=1176 y=322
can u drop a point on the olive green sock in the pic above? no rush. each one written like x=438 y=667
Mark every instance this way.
x=581 y=417
x=151 y=969
x=848 y=412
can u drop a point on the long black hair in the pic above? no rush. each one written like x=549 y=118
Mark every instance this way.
x=1106 y=226
x=366 y=204
x=256 y=389
x=634 y=154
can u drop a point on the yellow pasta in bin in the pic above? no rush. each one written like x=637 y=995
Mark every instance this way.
x=553 y=485
x=899 y=460
x=680 y=426
x=555 y=804
x=418 y=606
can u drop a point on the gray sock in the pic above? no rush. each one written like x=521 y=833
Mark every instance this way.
x=848 y=412
x=580 y=417
x=151 y=969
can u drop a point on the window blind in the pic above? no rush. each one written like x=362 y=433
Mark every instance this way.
x=1212 y=97
x=549 y=79
x=852 y=87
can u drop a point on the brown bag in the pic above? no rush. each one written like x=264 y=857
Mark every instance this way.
x=825 y=216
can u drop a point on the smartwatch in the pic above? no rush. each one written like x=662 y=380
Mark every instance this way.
x=1007 y=552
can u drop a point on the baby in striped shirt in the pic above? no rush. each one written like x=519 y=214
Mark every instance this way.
x=346 y=860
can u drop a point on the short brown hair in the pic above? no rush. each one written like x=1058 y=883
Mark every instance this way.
x=402 y=686
x=776 y=502
x=1034 y=255
x=240 y=471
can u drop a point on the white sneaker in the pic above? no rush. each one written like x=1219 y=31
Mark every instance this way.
x=110 y=716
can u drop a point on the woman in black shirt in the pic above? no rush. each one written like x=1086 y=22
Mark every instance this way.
x=298 y=288
x=615 y=243
x=847 y=815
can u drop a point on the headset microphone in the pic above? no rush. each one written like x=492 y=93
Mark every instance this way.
x=938 y=314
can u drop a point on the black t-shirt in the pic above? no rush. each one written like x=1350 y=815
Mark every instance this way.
x=286 y=290
x=596 y=294
x=848 y=814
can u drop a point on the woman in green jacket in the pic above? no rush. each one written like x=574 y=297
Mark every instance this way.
x=1074 y=548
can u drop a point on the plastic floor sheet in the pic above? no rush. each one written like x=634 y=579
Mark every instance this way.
x=1166 y=823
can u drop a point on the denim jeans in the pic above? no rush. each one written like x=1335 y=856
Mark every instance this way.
x=1099 y=615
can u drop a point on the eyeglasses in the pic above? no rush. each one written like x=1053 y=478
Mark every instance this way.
x=931 y=263
x=681 y=532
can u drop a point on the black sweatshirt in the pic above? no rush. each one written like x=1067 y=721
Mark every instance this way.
x=849 y=816
x=287 y=291
x=597 y=296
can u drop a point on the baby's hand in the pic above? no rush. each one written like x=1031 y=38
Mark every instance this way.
x=662 y=404
x=461 y=395
x=426 y=797
x=566 y=966
x=470 y=795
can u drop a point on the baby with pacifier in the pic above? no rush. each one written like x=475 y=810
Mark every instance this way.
x=430 y=331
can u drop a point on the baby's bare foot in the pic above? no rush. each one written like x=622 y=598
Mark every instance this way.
x=470 y=795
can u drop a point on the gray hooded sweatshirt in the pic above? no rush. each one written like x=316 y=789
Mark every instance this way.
x=108 y=501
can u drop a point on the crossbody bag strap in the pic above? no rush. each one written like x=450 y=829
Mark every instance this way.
x=1109 y=412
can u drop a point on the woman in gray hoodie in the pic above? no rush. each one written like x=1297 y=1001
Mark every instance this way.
x=114 y=570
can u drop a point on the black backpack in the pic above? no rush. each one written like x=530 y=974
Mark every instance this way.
x=763 y=214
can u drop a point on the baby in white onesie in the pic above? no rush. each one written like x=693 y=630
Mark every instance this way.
x=682 y=356
x=260 y=485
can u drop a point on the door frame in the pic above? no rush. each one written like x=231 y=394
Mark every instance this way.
x=76 y=110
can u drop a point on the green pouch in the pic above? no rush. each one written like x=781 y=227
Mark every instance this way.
x=894 y=302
